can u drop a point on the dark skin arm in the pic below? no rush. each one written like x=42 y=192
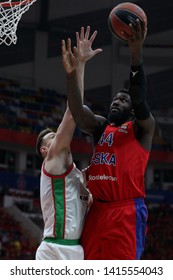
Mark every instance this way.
x=143 y=129
x=85 y=119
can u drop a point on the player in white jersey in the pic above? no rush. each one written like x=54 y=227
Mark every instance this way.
x=63 y=194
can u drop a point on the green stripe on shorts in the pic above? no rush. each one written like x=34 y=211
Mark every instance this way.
x=62 y=241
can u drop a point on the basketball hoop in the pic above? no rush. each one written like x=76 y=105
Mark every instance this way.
x=10 y=15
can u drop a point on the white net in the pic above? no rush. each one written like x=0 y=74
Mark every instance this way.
x=10 y=15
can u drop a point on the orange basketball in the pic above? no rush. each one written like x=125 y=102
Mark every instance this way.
x=123 y=14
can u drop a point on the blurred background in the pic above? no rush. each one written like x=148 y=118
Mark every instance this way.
x=33 y=96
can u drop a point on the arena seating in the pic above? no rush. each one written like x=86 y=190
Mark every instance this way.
x=159 y=241
x=31 y=109
x=15 y=242
x=27 y=109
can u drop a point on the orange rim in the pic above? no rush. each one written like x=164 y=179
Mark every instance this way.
x=8 y=4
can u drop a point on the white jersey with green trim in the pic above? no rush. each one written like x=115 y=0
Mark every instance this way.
x=64 y=200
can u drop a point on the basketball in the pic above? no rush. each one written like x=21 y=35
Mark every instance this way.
x=123 y=14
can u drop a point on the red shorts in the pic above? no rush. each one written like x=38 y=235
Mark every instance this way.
x=115 y=231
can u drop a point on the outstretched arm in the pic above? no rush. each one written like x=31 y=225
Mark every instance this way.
x=65 y=131
x=84 y=117
x=84 y=52
x=144 y=123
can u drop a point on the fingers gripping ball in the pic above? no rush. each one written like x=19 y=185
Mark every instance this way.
x=122 y=15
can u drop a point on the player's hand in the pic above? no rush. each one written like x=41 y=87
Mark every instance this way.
x=90 y=200
x=136 y=40
x=85 y=174
x=84 y=44
x=69 y=58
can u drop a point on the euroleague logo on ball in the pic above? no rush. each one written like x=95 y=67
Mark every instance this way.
x=122 y=15
x=131 y=20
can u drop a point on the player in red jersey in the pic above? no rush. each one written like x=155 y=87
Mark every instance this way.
x=115 y=227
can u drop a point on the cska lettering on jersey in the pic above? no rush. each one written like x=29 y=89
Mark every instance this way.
x=105 y=158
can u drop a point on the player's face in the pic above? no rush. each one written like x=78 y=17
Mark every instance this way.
x=120 y=109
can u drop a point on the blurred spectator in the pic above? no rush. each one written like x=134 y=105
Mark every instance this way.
x=159 y=241
x=15 y=243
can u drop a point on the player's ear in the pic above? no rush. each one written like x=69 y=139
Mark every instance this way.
x=132 y=113
x=43 y=150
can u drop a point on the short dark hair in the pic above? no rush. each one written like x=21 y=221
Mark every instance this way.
x=39 y=140
x=124 y=90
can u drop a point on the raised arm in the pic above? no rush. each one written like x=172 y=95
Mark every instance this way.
x=65 y=131
x=144 y=123
x=84 y=117
x=73 y=61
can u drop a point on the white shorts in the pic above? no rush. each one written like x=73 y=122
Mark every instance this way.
x=52 y=251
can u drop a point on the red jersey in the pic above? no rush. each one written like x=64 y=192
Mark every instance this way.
x=118 y=165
